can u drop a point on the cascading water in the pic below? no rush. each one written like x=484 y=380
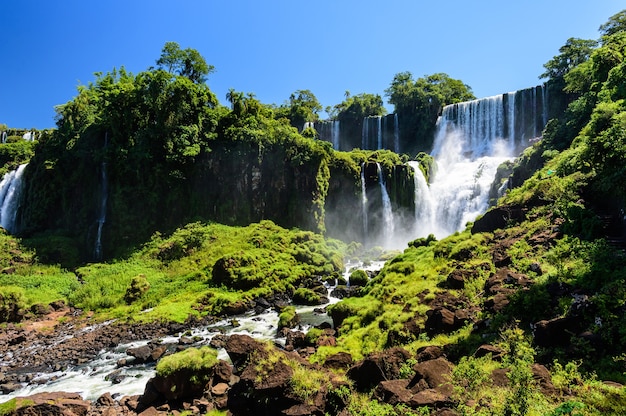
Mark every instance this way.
x=472 y=139
x=10 y=190
x=387 y=211
x=4 y=137
x=364 y=202
x=335 y=134
x=379 y=134
x=102 y=209
x=424 y=204
x=396 y=134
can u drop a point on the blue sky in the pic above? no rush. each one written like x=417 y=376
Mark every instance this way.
x=272 y=48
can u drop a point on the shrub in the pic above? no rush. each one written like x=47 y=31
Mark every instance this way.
x=359 y=278
x=138 y=286
x=306 y=296
x=288 y=318
x=12 y=304
x=193 y=359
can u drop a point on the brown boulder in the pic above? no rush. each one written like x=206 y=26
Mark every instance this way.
x=341 y=360
x=385 y=365
x=430 y=398
x=240 y=348
x=59 y=403
x=429 y=352
x=393 y=392
x=434 y=374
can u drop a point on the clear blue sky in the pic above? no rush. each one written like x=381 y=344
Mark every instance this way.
x=272 y=48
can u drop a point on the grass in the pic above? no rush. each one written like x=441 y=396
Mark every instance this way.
x=198 y=360
x=174 y=277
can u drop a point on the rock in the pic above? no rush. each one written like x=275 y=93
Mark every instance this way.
x=239 y=349
x=430 y=398
x=219 y=389
x=499 y=377
x=498 y=303
x=483 y=350
x=429 y=352
x=543 y=378
x=57 y=305
x=40 y=309
x=106 y=400
x=554 y=332
x=442 y=320
x=223 y=372
x=456 y=279
x=498 y=218
x=7 y=388
x=142 y=354
x=435 y=374
x=393 y=392
x=58 y=403
x=158 y=352
x=295 y=339
x=116 y=377
x=370 y=371
x=340 y=360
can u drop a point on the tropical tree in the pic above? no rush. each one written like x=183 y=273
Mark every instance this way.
x=355 y=108
x=302 y=107
x=186 y=62
x=573 y=53
x=615 y=24
x=419 y=102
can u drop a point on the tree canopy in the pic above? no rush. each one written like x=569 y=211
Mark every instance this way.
x=301 y=108
x=185 y=62
x=419 y=102
x=359 y=106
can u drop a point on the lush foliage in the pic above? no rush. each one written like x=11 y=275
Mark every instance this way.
x=356 y=107
x=192 y=359
x=419 y=102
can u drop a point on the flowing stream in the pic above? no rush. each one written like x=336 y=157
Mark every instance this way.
x=103 y=375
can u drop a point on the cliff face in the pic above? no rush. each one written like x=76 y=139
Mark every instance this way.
x=293 y=183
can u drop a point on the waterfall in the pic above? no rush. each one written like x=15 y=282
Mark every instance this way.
x=364 y=201
x=308 y=124
x=379 y=133
x=472 y=139
x=365 y=134
x=388 y=224
x=335 y=134
x=102 y=209
x=10 y=191
x=424 y=202
x=396 y=134
x=4 y=137
x=544 y=104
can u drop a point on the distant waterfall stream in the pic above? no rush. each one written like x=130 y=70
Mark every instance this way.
x=10 y=190
x=102 y=209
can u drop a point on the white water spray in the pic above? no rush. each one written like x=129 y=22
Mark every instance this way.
x=364 y=201
x=472 y=139
x=388 y=223
x=10 y=191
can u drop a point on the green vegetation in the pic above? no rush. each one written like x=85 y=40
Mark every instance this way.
x=419 y=102
x=555 y=265
x=197 y=360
